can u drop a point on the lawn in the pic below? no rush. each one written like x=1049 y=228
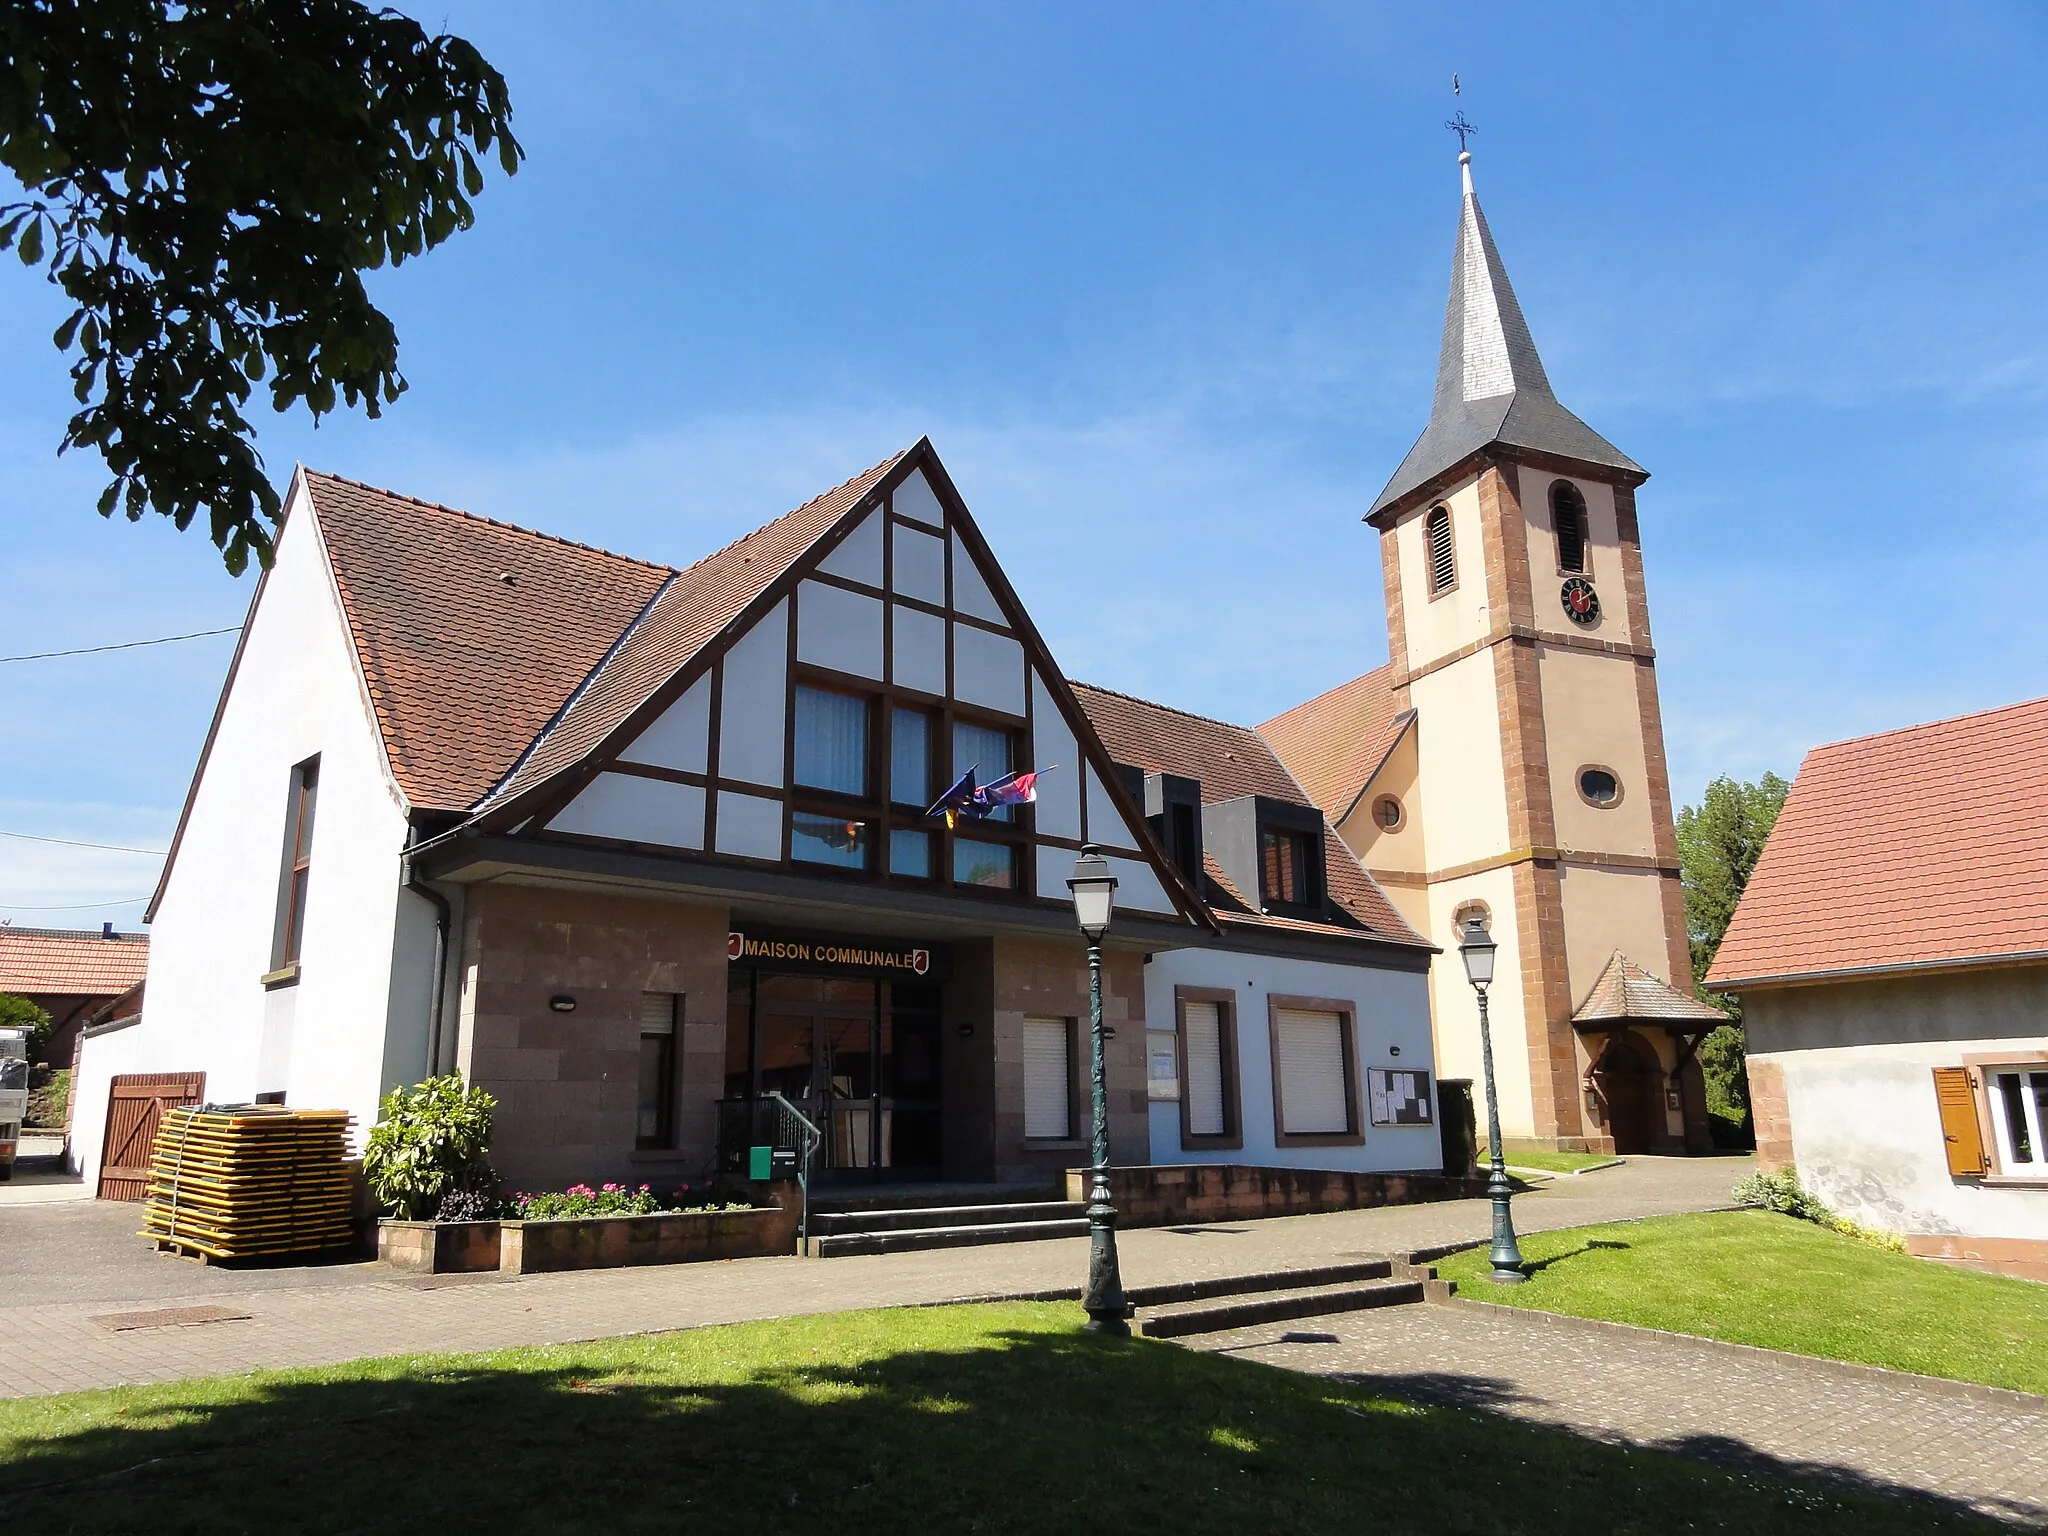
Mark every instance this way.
x=1547 y=1162
x=1756 y=1278
x=1000 y=1419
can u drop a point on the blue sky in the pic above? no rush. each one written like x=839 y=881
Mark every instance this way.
x=1164 y=283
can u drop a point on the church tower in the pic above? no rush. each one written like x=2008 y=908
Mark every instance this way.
x=1509 y=760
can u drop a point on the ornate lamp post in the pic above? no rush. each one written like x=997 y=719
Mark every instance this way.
x=1476 y=948
x=1094 y=889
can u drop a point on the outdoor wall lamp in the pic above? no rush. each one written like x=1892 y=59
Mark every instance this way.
x=562 y=1003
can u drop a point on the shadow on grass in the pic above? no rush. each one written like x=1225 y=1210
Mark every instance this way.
x=996 y=1419
x=1597 y=1245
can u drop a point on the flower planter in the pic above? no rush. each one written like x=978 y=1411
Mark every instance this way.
x=439 y=1247
x=673 y=1237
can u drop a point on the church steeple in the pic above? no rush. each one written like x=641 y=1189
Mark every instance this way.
x=1490 y=384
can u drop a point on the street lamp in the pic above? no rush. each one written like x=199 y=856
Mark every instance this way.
x=1094 y=889
x=1476 y=948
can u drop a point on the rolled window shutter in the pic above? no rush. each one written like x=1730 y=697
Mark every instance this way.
x=1962 y=1138
x=1313 y=1100
x=657 y=1013
x=1205 y=1069
x=1048 y=1082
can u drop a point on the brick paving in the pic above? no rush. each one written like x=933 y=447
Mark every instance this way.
x=1751 y=1411
x=62 y=1265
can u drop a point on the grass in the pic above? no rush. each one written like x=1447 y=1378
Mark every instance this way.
x=1751 y=1277
x=1551 y=1162
x=1000 y=1419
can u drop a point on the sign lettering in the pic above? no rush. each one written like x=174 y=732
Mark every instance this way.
x=743 y=947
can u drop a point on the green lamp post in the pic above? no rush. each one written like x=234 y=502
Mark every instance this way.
x=1094 y=889
x=1476 y=948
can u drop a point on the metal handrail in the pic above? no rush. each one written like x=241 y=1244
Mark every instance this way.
x=809 y=1139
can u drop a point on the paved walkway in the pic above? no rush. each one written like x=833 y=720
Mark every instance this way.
x=63 y=1266
x=1756 y=1412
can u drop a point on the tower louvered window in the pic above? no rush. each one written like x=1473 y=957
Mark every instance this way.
x=1443 y=565
x=1568 y=515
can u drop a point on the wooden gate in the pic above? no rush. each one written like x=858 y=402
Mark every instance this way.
x=136 y=1102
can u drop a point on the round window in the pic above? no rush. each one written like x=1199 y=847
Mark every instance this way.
x=1599 y=786
x=1387 y=812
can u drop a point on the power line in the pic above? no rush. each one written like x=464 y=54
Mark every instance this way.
x=125 y=645
x=72 y=842
x=76 y=906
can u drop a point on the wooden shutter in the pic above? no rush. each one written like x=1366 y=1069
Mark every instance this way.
x=1443 y=565
x=1048 y=1080
x=136 y=1102
x=1313 y=1098
x=1204 y=1086
x=1963 y=1139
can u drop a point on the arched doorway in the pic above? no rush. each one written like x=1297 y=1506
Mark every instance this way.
x=1631 y=1083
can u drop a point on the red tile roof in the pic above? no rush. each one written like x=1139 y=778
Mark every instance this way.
x=1232 y=760
x=1337 y=741
x=691 y=610
x=1627 y=991
x=71 y=963
x=1915 y=848
x=465 y=666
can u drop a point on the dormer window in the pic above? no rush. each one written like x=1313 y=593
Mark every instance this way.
x=1443 y=563
x=1284 y=868
x=1568 y=517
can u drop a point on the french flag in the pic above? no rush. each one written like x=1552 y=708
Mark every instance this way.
x=1017 y=789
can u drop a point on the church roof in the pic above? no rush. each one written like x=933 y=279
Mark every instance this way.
x=1336 y=742
x=1919 y=848
x=1627 y=992
x=1490 y=384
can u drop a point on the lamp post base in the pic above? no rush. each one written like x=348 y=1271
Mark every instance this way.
x=1104 y=1298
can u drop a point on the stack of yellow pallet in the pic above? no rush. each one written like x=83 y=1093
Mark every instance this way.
x=247 y=1180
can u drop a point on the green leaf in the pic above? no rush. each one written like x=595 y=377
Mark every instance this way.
x=63 y=334
x=31 y=249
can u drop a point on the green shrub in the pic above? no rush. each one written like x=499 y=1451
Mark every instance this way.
x=46 y=1105
x=1781 y=1192
x=429 y=1140
x=612 y=1200
x=20 y=1013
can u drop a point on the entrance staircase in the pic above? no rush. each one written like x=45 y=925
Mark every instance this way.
x=1277 y=1296
x=911 y=1219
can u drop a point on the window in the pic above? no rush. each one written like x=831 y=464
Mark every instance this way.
x=1315 y=1088
x=1208 y=1073
x=986 y=750
x=1186 y=843
x=910 y=758
x=1048 y=1079
x=987 y=864
x=832 y=741
x=1568 y=516
x=298 y=855
x=2019 y=1115
x=1283 y=867
x=833 y=840
x=910 y=853
x=657 y=1123
x=1443 y=564
x=1387 y=812
x=1598 y=786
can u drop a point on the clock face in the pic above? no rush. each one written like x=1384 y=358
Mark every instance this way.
x=1581 y=602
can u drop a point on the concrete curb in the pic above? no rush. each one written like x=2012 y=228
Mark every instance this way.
x=1877 y=1375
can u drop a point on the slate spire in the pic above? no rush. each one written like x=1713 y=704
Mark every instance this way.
x=1490 y=384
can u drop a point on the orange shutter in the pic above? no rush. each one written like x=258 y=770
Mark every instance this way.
x=1958 y=1103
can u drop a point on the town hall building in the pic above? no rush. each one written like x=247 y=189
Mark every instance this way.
x=637 y=848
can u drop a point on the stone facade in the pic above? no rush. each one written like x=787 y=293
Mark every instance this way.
x=567 y=1083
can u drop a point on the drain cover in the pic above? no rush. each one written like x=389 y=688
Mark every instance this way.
x=167 y=1317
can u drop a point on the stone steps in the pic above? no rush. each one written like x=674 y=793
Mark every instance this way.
x=1218 y=1315
x=835 y=1222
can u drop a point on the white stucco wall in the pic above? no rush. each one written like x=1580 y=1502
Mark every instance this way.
x=1392 y=1010
x=1866 y=1137
x=322 y=1041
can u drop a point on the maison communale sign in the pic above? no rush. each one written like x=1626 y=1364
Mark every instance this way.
x=828 y=954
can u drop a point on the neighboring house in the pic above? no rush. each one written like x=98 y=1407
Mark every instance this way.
x=1891 y=954
x=1508 y=761
x=634 y=847
x=71 y=974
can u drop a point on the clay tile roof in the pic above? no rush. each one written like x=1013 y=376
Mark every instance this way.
x=690 y=611
x=1231 y=760
x=65 y=960
x=463 y=666
x=1337 y=741
x=1626 y=991
x=1921 y=847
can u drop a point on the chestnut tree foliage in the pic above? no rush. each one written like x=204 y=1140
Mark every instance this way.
x=207 y=182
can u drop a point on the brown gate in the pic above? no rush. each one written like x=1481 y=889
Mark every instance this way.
x=136 y=1102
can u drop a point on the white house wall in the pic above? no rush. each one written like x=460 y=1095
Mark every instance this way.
x=1391 y=1009
x=295 y=695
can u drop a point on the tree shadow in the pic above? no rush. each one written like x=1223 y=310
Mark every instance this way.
x=1000 y=1420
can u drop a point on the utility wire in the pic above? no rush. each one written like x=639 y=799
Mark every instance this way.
x=125 y=645
x=76 y=906
x=72 y=842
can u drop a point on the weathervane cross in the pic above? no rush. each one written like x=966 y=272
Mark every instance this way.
x=1464 y=130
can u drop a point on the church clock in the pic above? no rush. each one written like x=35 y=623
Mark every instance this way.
x=1581 y=602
